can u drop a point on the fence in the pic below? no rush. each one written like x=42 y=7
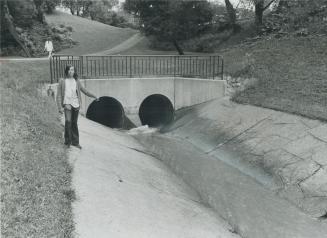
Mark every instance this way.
x=208 y=66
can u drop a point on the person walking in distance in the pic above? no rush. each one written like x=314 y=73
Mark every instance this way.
x=69 y=103
x=48 y=46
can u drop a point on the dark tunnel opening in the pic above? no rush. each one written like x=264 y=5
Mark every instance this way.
x=156 y=110
x=107 y=111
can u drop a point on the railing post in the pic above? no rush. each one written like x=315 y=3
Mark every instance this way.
x=130 y=66
x=51 y=76
x=87 y=65
x=126 y=66
x=213 y=66
x=81 y=65
x=175 y=66
x=222 y=69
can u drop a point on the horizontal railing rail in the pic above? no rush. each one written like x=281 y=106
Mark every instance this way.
x=95 y=66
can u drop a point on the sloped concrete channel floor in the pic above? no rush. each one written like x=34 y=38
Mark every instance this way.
x=123 y=192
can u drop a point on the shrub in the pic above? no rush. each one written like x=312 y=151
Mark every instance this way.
x=69 y=28
x=206 y=43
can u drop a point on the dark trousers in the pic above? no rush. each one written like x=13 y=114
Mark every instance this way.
x=71 y=129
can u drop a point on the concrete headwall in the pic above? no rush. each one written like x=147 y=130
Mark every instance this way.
x=131 y=92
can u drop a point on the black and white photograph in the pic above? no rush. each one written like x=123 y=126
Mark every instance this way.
x=163 y=118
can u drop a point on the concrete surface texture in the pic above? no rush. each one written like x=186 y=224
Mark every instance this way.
x=292 y=149
x=245 y=160
x=252 y=210
x=122 y=191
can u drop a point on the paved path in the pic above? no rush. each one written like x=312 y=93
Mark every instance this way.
x=124 y=192
x=115 y=50
x=4 y=59
x=129 y=43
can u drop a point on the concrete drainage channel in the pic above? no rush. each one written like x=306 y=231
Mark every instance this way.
x=251 y=209
x=248 y=203
x=243 y=196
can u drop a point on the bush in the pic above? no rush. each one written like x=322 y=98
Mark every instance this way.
x=157 y=44
x=69 y=28
x=50 y=5
x=206 y=43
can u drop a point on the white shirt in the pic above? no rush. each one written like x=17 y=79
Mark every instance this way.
x=71 y=92
x=48 y=46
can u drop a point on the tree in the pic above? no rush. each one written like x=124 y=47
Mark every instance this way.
x=171 y=21
x=83 y=7
x=98 y=11
x=259 y=7
x=44 y=6
x=10 y=12
x=232 y=15
x=72 y=5
x=38 y=5
x=50 y=5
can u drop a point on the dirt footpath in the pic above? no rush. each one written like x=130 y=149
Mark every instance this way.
x=124 y=192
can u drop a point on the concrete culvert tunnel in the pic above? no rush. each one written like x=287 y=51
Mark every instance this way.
x=107 y=111
x=156 y=110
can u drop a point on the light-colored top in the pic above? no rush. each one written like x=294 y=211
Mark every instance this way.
x=62 y=89
x=71 y=96
x=48 y=46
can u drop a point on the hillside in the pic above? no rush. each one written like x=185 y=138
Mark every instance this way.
x=290 y=73
x=91 y=36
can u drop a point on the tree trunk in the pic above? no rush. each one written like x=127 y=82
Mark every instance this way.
x=282 y=5
x=178 y=48
x=11 y=28
x=231 y=15
x=259 y=9
x=40 y=15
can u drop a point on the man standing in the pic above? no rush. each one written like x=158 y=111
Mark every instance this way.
x=48 y=47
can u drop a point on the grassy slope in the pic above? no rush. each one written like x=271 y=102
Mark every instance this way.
x=291 y=71
x=36 y=192
x=142 y=48
x=92 y=36
x=35 y=175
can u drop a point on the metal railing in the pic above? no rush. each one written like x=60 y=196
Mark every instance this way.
x=89 y=66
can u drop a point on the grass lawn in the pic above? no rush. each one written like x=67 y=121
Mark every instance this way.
x=292 y=74
x=36 y=192
x=92 y=36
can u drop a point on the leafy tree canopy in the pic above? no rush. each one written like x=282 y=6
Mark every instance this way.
x=85 y=7
x=171 y=20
